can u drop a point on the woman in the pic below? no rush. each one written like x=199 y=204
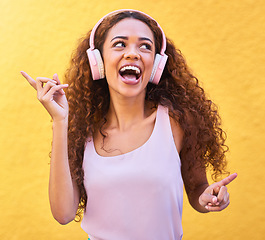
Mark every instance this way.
x=128 y=141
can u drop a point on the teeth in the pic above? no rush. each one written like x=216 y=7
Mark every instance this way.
x=133 y=68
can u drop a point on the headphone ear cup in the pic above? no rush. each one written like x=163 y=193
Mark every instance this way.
x=96 y=64
x=158 y=68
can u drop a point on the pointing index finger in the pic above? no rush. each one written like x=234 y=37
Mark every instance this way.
x=228 y=179
x=31 y=81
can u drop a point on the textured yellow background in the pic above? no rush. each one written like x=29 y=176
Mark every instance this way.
x=223 y=42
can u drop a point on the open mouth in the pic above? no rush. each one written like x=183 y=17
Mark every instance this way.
x=130 y=74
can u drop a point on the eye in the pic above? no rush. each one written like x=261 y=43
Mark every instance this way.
x=119 y=44
x=146 y=46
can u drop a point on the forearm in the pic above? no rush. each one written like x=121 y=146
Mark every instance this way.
x=194 y=196
x=63 y=192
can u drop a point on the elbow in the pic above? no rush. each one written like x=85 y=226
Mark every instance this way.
x=64 y=219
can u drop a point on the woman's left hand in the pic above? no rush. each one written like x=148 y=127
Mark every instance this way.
x=215 y=197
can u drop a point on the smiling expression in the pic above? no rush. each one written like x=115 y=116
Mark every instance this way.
x=128 y=55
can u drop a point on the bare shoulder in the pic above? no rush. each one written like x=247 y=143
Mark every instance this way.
x=177 y=132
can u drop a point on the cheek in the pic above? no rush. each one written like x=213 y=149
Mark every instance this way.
x=110 y=71
x=107 y=64
x=110 y=67
x=149 y=65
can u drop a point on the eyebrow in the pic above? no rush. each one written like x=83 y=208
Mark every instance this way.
x=126 y=38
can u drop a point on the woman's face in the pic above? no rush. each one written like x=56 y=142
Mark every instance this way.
x=128 y=55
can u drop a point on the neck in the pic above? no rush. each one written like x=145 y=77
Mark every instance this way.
x=123 y=114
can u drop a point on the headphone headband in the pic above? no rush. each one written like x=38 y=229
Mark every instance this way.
x=92 y=35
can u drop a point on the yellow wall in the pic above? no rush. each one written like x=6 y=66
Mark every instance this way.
x=223 y=42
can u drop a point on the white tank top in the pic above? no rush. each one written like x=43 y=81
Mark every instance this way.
x=137 y=195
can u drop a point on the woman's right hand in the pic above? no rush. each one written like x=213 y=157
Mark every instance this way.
x=50 y=93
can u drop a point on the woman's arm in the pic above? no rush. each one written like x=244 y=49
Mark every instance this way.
x=195 y=187
x=202 y=197
x=63 y=191
x=198 y=174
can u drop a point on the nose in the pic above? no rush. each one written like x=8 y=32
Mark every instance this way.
x=132 y=53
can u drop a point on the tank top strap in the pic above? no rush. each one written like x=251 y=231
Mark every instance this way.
x=162 y=127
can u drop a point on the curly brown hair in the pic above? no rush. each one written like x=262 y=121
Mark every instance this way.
x=178 y=89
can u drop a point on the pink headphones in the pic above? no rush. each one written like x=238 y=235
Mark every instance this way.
x=96 y=62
